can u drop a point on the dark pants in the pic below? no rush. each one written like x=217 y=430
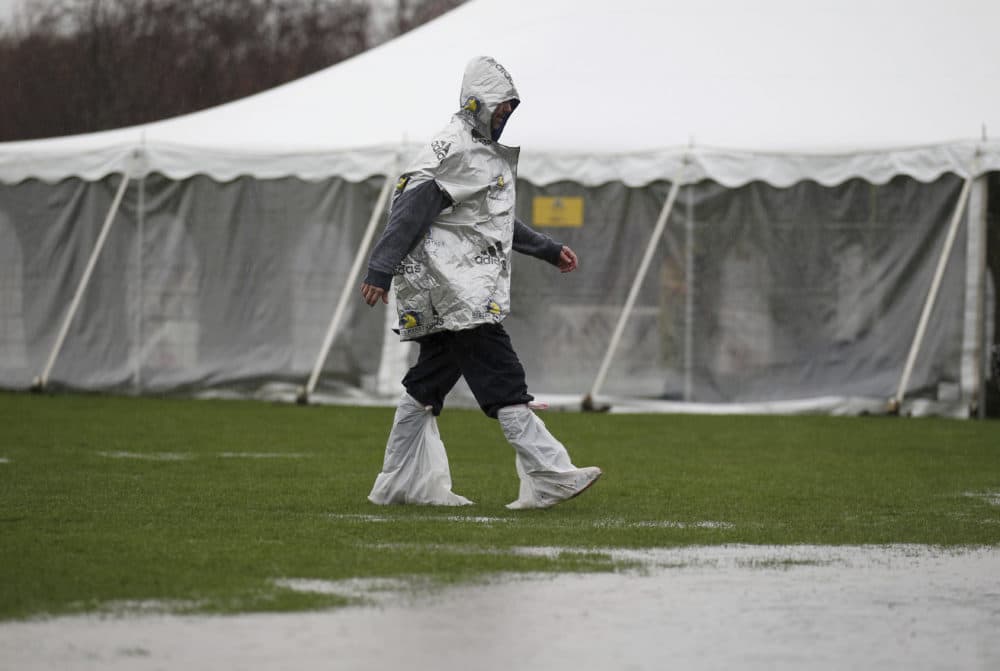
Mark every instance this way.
x=482 y=355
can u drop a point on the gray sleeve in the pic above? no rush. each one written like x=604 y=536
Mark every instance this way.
x=531 y=242
x=411 y=215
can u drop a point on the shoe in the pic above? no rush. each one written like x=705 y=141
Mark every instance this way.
x=585 y=477
x=549 y=489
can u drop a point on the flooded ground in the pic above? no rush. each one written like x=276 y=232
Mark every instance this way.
x=720 y=607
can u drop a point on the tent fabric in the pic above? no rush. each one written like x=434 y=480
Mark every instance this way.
x=757 y=295
x=199 y=284
x=50 y=163
x=789 y=293
x=774 y=90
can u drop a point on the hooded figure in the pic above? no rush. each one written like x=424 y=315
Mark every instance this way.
x=460 y=275
x=446 y=252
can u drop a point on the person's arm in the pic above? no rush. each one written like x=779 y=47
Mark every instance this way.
x=413 y=211
x=531 y=242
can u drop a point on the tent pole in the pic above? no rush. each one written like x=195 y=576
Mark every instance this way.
x=956 y=220
x=982 y=350
x=140 y=288
x=348 y=292
x=972 y=373
x=689 y=297
x=588 y=400
x=42 y=380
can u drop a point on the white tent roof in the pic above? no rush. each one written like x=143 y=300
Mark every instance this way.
x=629 y=90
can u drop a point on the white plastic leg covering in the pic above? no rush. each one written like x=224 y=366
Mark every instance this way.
x=415 y=468
x=543 y=465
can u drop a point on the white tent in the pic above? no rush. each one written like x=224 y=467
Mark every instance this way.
x=635 y=94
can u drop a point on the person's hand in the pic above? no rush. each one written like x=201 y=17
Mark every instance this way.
x=567 y=260
x=371 y=294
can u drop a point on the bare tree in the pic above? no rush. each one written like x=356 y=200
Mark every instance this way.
x=413 y=13
x=86 y=65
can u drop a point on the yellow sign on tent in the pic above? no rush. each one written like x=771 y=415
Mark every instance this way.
x=564 y=212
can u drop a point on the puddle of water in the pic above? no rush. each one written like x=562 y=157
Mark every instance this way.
x=369 y=590
x=607 y=523
x=663 y=524
x=180 y=456
x=991 y=497
x=147 y=456
x=475 y=519
x=747 y=607
x=263 y=455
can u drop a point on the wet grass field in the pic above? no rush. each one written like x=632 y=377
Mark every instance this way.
x=211 y=506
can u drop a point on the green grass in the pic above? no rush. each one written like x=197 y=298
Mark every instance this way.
x=82 y=531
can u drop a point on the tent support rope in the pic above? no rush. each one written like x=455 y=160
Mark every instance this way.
x=661 y=222
x=347 y=292
x=42 y=380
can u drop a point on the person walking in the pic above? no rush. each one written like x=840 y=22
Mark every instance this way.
x=446 y=253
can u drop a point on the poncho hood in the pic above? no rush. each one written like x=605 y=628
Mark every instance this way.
x=485 y=86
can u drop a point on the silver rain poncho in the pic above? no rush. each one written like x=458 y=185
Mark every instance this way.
x=458 y=276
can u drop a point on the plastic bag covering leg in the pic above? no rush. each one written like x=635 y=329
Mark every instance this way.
x=543 y=465
x=415 y=468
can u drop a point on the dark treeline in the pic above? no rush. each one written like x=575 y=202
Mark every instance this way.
x=78 y=66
